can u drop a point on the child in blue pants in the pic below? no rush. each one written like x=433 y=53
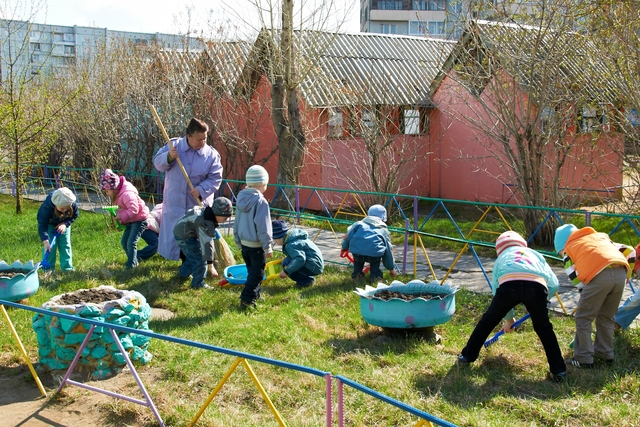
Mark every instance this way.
x=194 y=233
x=303 y=259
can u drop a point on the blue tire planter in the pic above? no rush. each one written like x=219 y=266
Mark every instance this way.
x=433 y=305
x=18 y=281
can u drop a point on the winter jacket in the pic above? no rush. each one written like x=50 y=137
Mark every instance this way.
x=252 y=223
x=192 y=225
x=47 y=215
x=588 y=252
x=370 y=237
x=522 y=263
x=302 y=252
x=204 y=169
x=131 y=208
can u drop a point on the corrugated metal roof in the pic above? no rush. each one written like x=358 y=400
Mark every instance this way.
x=571 y=59
x=228 y=60
x=369 y=69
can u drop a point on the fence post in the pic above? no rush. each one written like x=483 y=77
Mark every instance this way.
x=327 y=378
x=298 y=204
x=587 y=219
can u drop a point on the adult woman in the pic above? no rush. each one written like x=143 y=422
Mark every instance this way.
x=204 y=168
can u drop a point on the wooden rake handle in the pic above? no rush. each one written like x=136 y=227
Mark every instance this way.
x=166 y=137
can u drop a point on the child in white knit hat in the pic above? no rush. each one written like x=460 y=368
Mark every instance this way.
x=252 y=232
x=520 y=276
x=55 y=216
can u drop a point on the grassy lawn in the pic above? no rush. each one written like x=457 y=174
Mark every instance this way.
x=320 y=327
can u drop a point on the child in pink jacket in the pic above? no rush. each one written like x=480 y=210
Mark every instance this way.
x=133 y=213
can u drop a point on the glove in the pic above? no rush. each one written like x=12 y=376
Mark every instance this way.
x=344 y=253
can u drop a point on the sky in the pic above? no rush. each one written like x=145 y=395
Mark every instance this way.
x=162 y=16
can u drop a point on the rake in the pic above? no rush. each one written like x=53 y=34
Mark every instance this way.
x=45 y=257
x=498 y=334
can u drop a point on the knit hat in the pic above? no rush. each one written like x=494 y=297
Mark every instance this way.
x=279 y=229
x=208 y=214
x=378 y=211
x=562 y=235
x=508 y=239
x=109 y=180
x=222 y=207
x=256 y=174
x=63 y=197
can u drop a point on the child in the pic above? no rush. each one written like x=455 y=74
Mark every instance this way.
x=599 y=268
x=303 y=259
x=133 y=214
x=194 y=233
x=369 y=241
x=56 y=214
x=520 y=276
x=252 y=232
x=631 y=307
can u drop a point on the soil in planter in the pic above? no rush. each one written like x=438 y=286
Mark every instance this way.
x=89 y=296
x=386 y=295
x=13 y=272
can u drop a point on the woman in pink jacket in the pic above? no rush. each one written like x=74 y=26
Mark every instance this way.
x=133 y=214
x=203 y=166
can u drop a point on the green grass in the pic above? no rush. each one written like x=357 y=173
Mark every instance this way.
x=319 y=327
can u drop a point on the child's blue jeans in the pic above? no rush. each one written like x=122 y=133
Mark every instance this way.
x=151 y=237
x=129 y=241
x=628 y=311
x=303 y=277
x=193 y=265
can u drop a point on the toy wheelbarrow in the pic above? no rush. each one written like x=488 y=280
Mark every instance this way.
x=237 y=274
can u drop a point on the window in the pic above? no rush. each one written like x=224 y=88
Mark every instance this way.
x=420 y=5
x=390 y=4
x=58 y=37
x=388 y=28
x=417 y=28
x=68 y=37
x=35 y=47
x=35 y=59
x=70 y=50
x=411 y=122
x=592 y=118
x=454 y=6
x=436 y=28
x=436 y=4
x=335 y=122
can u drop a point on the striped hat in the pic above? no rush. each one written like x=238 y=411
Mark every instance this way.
x=256 y=174
x=508 y=239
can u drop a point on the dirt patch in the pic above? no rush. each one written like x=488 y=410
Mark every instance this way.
x=13 y=272
x=22 y=404
x=387 y=295
x=89 y=296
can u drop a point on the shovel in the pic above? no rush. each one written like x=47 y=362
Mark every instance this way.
x=45 y=257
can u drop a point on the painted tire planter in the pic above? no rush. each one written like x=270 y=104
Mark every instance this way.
x=59 y=339
x=432 y=305
x=18 y=281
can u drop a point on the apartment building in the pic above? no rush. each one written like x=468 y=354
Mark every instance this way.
x=33 y=48
x=432 y=18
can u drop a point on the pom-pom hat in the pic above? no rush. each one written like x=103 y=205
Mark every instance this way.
x=562 y=235
x=256 y=174
x=508 y=239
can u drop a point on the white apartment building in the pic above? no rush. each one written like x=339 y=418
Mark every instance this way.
x=32 y=48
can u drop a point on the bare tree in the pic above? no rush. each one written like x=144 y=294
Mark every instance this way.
x=32 y=96
x=286 y=67
x=528 y=92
